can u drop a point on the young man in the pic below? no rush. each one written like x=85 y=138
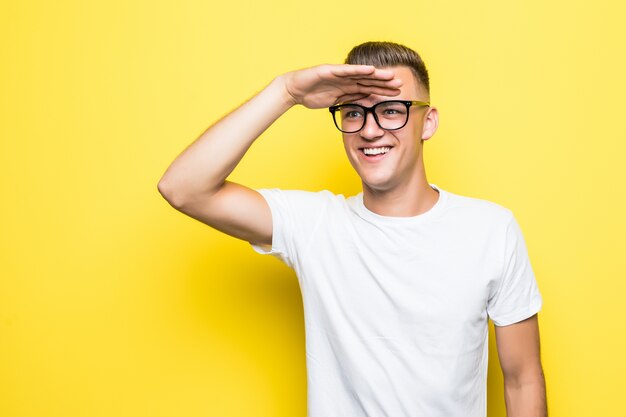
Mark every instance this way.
x=398 y=282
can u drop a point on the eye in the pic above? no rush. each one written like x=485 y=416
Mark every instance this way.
x=351 y=112
x=391 y=110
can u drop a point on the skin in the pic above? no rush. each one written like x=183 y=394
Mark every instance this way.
x=395 y=185
x=520 y=360
x=201 y=190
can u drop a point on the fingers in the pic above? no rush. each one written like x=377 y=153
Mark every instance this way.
x=367 y=90
x=324 y=85
x=394 y=84
x=363 y=92
x=346 y=70
x=350 y=97
x=365 y=80
x=361 y=71
x=379 y=91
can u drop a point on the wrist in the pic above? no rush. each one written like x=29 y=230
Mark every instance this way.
x=281 y=82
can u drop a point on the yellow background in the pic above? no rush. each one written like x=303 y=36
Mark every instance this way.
x=114 y=304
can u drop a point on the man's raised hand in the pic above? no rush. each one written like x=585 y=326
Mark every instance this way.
x=327 y=85
x=201 y=191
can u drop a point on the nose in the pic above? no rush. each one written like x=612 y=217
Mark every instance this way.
x=371 y=130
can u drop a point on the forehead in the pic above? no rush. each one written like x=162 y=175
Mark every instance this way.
x=410 y=89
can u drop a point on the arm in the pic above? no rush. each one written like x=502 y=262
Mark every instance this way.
x=195 y=183
x=524 y=383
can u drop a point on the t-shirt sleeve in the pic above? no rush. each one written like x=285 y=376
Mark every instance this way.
x=295 y=215
x=516 y=297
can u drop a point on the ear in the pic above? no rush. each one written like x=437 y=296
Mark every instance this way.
x=431 y=122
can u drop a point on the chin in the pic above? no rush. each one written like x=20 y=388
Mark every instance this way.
x=374 y=178
x=376 y=184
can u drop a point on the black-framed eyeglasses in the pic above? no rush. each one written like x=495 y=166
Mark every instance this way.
x=389 y=115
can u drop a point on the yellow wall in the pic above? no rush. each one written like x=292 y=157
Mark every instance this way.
x=114 y=304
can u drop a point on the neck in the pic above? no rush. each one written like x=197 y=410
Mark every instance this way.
x=411 y=198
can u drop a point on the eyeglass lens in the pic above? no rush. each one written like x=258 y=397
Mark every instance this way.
x=389 y=115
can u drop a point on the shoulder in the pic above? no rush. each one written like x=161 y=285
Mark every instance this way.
x=301 y=200
x=323 y=195
x=478 y=210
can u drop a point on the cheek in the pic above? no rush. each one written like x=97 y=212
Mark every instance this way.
x=417 y=130
x=348 y=143
x=348 y=149
x=346 y=146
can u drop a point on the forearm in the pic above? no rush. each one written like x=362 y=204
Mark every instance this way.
x=205 y=164
x=526 y=399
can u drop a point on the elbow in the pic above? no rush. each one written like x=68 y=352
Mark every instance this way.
x=529 y=375
x=182 y=195
x=167 y=191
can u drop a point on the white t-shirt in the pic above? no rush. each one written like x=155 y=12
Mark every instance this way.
x=396 y=308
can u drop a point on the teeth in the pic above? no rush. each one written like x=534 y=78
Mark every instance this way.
x=376 y=151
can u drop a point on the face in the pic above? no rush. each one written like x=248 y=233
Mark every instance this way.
x=399 y=162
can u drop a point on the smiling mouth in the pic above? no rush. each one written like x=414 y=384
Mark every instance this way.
x=382 y=150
